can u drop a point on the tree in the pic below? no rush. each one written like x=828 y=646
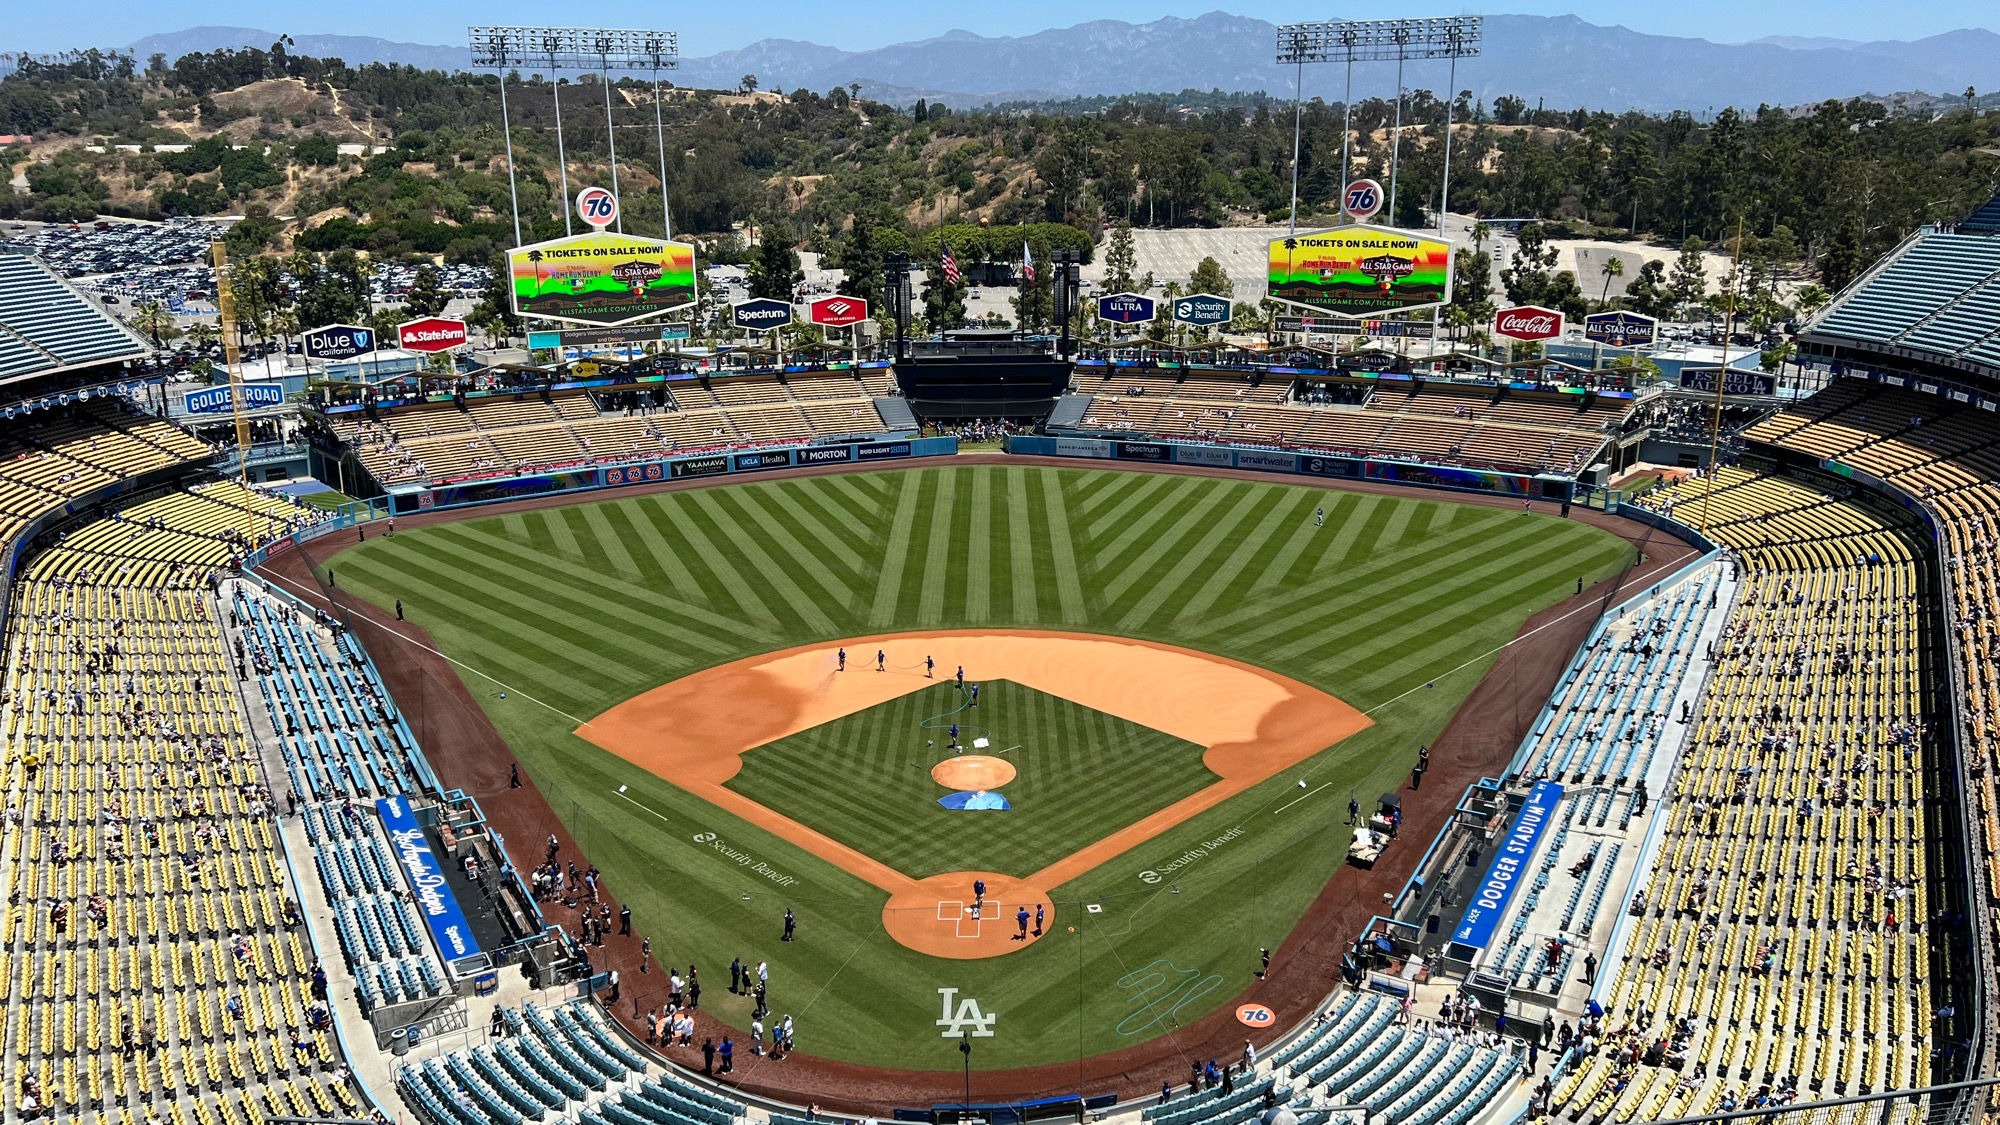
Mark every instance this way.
x=1690 y=277
x=1614 y=267
x=1647 y=293
x=1471 y=288
x=1526 y=278
x=156 y=322
x=944 y=303
x=775 y=272
x=861 y=260
x=1811 y=298
x=1774 y=359
x=1120 y=259
x=748 y=83
x=1209 y=277
x=426 y=296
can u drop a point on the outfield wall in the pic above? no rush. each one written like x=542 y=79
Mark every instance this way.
x=1527 y=486
x=717 y=463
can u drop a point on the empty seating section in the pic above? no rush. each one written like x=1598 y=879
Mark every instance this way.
x=1937 y=292
x=1360 y=1053
x=1784 y=914
x=1431 y=423
x=45 y=323
x=151 y=954
x=438 y=442
x=48 y=460
x=558 y=1063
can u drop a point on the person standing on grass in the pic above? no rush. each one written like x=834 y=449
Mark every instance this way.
x=791 y=924
x=736 y=977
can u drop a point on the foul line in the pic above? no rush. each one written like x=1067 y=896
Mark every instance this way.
x=620 y=793
x=1300 y=797
x=415 y=643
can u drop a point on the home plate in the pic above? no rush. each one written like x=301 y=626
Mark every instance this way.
x=981 y=743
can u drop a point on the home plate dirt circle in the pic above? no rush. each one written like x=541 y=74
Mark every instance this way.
x=935 y=916
x=973 y=771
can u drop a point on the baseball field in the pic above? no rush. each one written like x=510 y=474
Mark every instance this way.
x=1182 y=681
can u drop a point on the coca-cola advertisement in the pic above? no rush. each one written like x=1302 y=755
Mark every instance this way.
x=1528 y=322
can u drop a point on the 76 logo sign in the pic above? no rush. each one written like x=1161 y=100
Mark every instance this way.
x=1363 y=199
x=597 y=207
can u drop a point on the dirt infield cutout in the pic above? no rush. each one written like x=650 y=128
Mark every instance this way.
x=1251 y=723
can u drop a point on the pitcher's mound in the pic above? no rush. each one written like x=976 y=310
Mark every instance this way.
x=973 y=771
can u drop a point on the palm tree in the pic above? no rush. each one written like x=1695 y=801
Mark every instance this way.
x=156 y=322
x=1480 y=233
x=1614 y=266
x=203 y=333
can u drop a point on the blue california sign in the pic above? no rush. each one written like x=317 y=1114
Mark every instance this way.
x=1203 y=310
x=1125 y=308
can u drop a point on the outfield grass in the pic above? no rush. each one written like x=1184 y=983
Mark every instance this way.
x=579 y=608
x=865 y=780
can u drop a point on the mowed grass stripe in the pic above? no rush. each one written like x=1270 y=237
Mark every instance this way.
x=896 y=549
x=782 y=537
x=1062 y=554
x=696 y=527
x=558 y=611
x=1283 y=510
x=813 y=524
x=472 y=535
x=1141 y=499
x=1363 y=525
x=1027 y=534
x=514 y=652
x=1372 y=601
x=939 y=569
x=1193 y=570
x=781 y=576
x=680 y=581
x=1195 y=523
x=973 y=539
x=1096 y=492
x=608 y=540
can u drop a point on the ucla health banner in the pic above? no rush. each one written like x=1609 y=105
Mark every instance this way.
x=435 y=901
x=1510 y=866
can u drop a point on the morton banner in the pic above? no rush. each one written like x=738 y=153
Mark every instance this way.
x=601 y=278
x=1360 y=271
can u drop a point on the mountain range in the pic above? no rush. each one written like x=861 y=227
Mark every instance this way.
x=1560 y=61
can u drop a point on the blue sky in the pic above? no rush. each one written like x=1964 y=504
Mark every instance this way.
x=854 y=24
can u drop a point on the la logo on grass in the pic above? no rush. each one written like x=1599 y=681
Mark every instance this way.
x=967 y=1020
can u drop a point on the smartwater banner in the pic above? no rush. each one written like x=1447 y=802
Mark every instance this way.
x=1202 y=455
x=215 y=400
x=1268 y=462
x=435 y=901
x=1510 y=866
x=1082 y=447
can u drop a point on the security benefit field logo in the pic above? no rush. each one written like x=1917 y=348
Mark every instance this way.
x=965 y=1020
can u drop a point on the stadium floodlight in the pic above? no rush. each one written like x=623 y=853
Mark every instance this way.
x=1352 y=41
x=603 y=49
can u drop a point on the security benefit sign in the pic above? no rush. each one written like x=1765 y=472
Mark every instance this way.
x=1510 y=866
x=1360 y=271
x=601 y=278
x=442 y=914
x=1202 y=310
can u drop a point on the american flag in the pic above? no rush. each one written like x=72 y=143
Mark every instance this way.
x=1027 y=264
x=951 y=274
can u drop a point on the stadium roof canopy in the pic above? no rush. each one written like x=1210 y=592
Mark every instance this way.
x=48 y=326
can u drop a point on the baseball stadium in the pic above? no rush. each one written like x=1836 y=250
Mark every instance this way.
x=999 y=726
